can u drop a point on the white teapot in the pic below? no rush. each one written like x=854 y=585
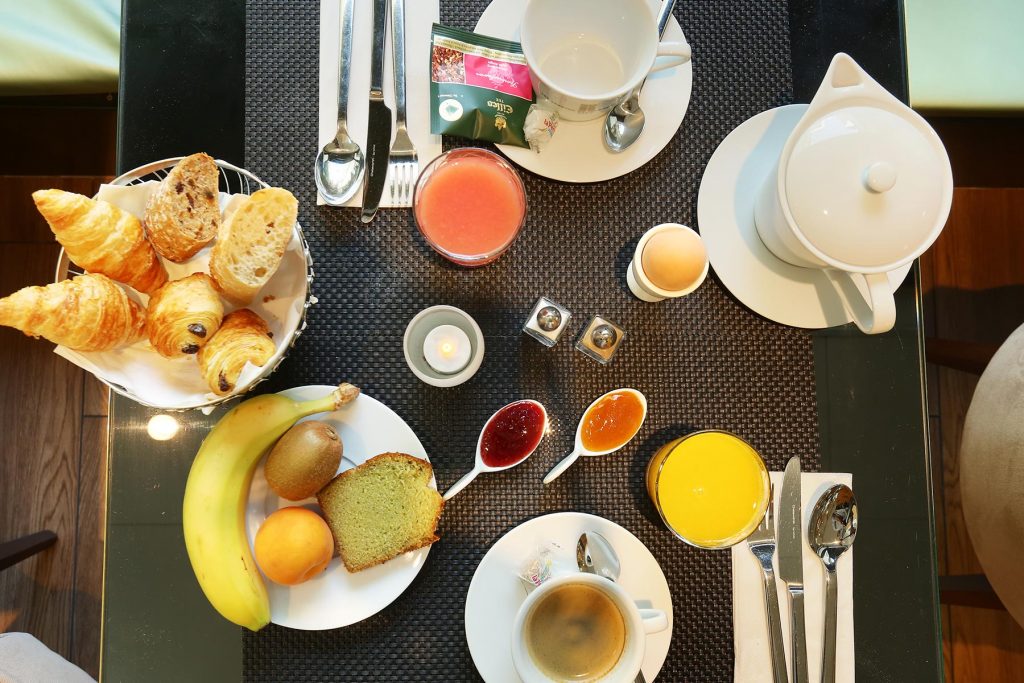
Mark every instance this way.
x=863 y=186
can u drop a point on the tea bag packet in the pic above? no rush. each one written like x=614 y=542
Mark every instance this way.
x=542 y=564
x=480 y=87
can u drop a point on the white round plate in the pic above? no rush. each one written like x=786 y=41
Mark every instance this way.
x=496 y=591
x=576 y=153
x=787 y=294
x=337 y=598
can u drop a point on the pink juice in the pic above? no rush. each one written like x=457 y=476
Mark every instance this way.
x=470 y=205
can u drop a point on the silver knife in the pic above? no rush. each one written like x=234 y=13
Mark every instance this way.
x=791 y=567
x=378 y=119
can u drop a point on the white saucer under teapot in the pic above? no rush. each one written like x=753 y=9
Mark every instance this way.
x=862 y=187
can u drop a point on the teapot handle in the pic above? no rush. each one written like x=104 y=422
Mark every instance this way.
x=874 y=312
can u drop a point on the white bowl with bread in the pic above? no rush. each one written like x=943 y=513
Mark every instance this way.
x=181 y=284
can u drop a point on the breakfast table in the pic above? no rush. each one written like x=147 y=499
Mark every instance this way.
x=238 y=80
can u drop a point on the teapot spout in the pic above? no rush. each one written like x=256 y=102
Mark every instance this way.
x=843 y=72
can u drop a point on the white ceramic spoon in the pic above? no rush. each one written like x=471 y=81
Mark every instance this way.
x=568 y=460
x=481 y=466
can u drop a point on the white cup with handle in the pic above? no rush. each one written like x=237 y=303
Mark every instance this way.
x=863 y=187
x=638 y=623
x=585 y=56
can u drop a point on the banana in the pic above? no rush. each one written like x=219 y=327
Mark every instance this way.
x=215 y=496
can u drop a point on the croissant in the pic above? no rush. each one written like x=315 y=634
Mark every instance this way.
x=183 y=315
x=243 y=338
x=88 y=313
x=102 y=238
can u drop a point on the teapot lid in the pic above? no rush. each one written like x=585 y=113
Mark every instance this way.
x=868 y=187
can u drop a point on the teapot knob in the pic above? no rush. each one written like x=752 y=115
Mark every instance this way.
x=879 y=177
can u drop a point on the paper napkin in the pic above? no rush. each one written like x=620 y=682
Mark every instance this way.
x=419 y=17
x=750 y=625
x=177 y=383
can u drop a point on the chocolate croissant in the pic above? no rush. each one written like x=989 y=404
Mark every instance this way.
x=102 y=238
x=243 y=338
x=88 y=313
x=183 y=315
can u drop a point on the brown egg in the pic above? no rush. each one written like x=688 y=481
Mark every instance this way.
x=673 y=259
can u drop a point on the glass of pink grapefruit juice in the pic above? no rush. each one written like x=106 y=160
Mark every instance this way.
x=470 y=205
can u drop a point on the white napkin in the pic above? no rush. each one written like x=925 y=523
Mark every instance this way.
x=419 y=16
x=750 y=625
x=177 y=383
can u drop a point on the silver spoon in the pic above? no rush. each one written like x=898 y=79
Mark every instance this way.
x=595 y=555
x=626 y=120
x=832 y=529
x=338 y=169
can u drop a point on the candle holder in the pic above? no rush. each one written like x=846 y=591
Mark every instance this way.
x=600 y=339
x=421 y=325
x=547 y=321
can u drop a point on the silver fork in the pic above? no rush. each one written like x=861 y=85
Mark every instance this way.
x=403 y=165
x=762 y=545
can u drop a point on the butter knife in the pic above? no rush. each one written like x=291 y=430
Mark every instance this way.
x=378 y=119
x=791 y=567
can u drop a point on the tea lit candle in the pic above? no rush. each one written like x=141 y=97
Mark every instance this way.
x=447 y=349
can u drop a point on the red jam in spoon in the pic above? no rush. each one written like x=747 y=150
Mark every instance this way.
x=512 y=434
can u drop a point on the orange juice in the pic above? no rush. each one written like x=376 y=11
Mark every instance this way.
x=711 y=488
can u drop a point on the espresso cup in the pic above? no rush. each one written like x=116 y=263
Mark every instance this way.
x=636 y=624
x=585 y=56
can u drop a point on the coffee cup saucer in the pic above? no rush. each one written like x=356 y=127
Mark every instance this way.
x=496 y=591
x=576 y=153
x=799 y=297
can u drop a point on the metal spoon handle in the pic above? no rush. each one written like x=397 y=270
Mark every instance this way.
x=398 y=51
x=828 y=650
x=664 y=16
x=345 y=61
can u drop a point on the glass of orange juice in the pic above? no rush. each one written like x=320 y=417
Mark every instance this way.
x=711 y=488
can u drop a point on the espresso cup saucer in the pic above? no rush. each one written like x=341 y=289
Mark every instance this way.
x=799 y=297
x=576 y=153
x=496 y=591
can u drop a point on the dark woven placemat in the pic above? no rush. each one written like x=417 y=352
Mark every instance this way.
x=703 y=361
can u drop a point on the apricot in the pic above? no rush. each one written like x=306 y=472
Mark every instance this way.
x=293 y=545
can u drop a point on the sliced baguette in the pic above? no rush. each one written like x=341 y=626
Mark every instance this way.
x=381 y=509
x=183 y=215
x=251 y=243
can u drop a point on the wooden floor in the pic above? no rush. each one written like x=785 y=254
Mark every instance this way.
x=974 y=291
x=53 y=453
x=53 y=416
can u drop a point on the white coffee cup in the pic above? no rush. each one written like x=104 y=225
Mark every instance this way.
x=584 y=56
x=639 y=622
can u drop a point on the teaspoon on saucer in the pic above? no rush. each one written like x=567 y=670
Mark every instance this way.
x=625 y=122
x=508 y=438
x=338 y=169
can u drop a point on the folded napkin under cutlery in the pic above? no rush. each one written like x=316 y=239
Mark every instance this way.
x=750 y=625
x=419 y=18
